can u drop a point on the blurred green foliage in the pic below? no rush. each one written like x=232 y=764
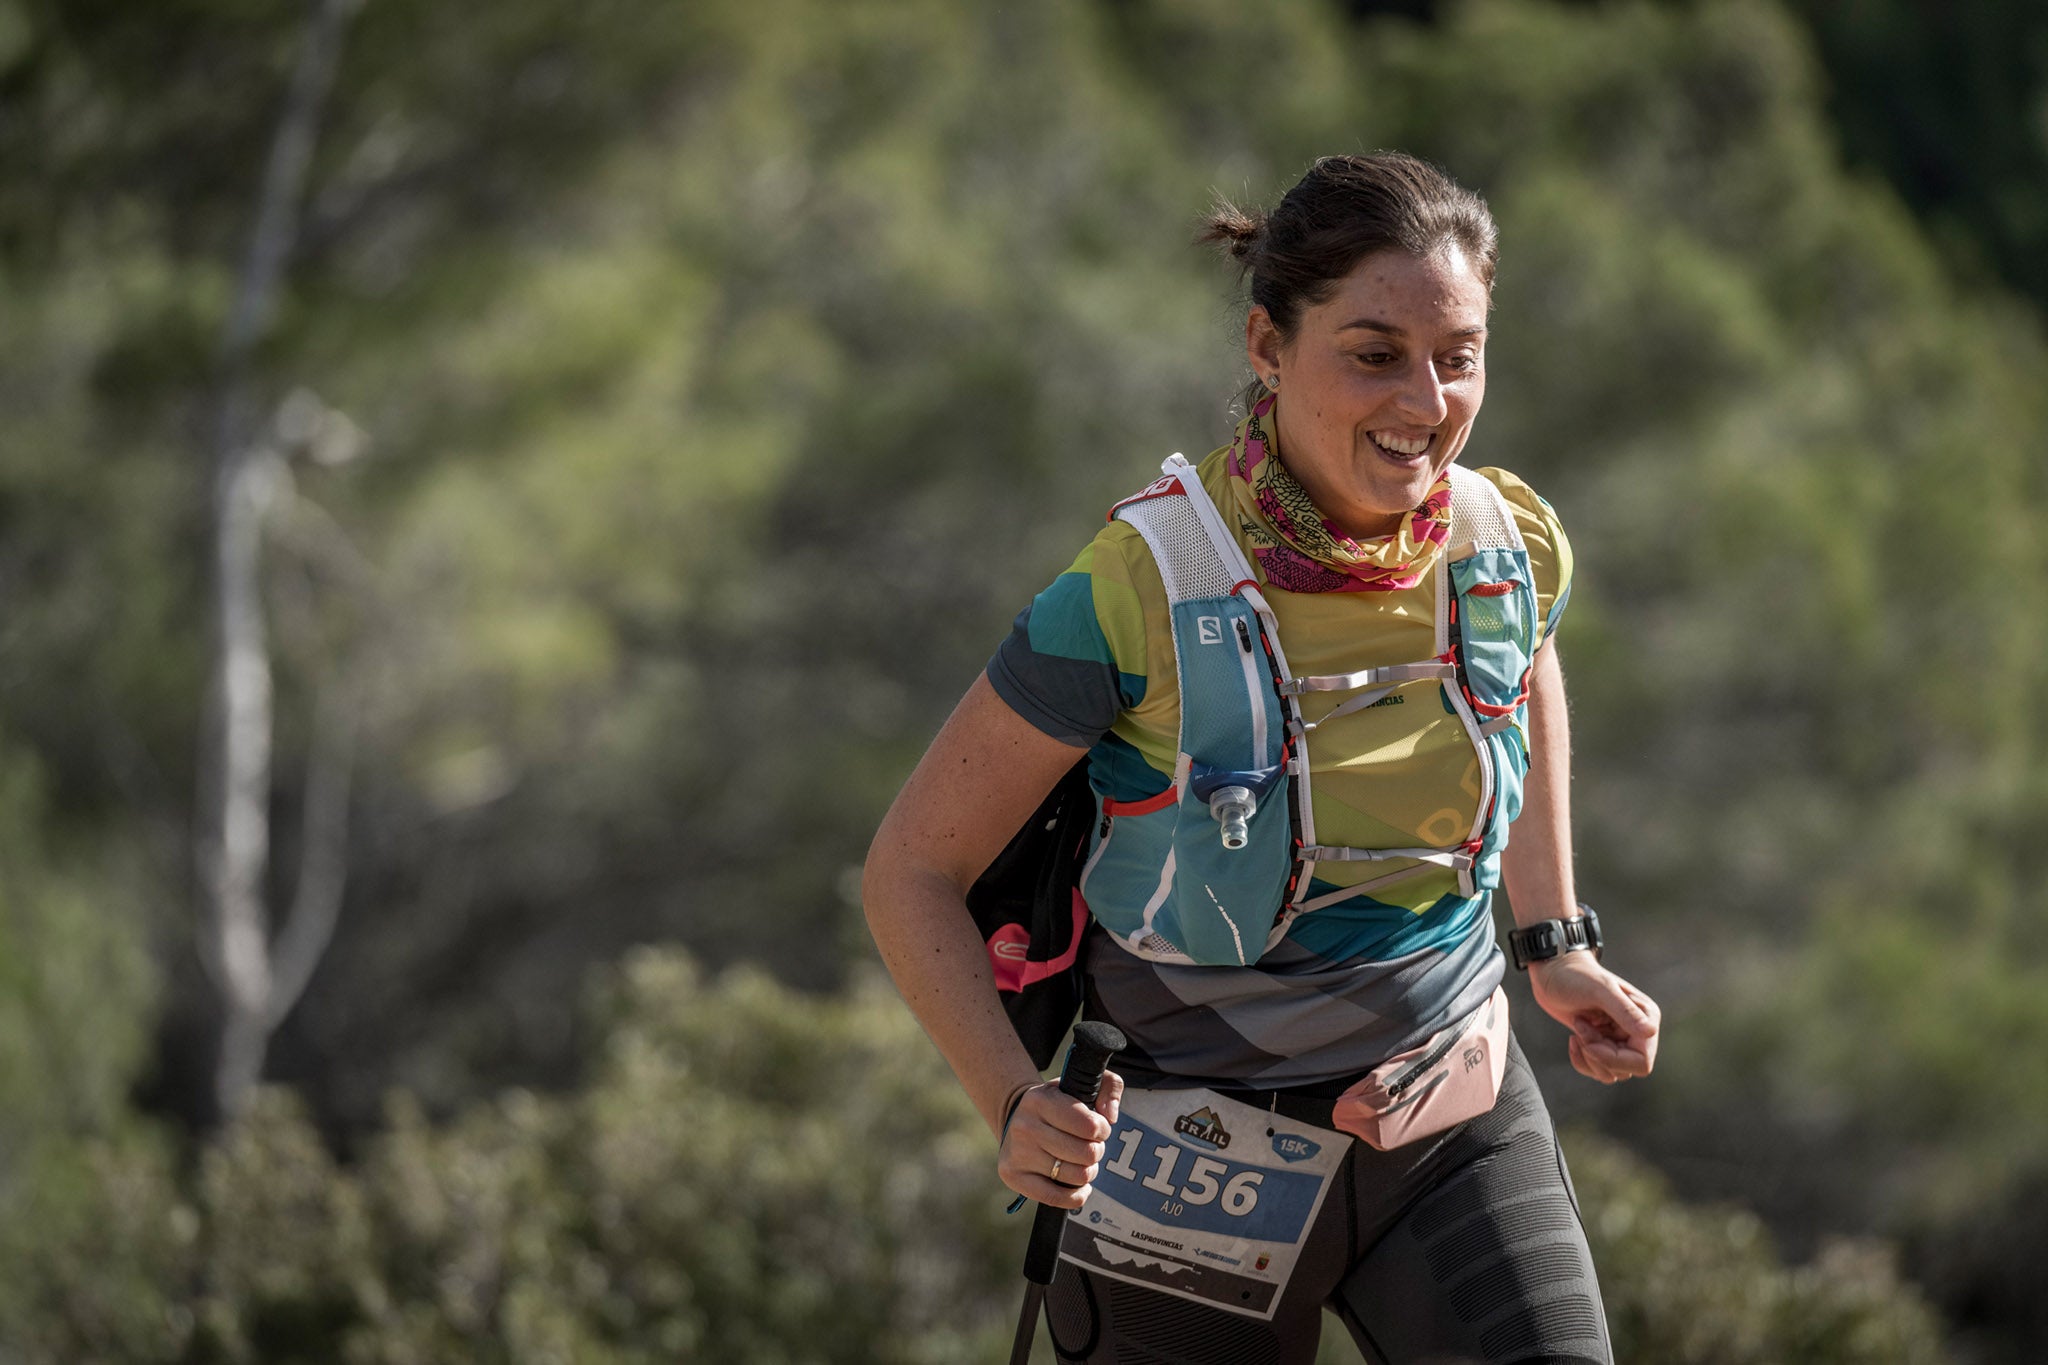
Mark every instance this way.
x=1704 y=1286
x=751 y=1175
x=729 y=376
x=1950 y=103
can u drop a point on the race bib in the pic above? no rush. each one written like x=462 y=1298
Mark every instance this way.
x=1204 y=1198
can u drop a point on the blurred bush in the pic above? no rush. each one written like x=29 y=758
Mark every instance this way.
x=1688 y=1285
x=752 y=1174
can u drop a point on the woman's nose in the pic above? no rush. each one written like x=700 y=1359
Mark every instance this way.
x=1422 y=395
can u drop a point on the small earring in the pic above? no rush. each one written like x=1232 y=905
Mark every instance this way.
x=1274 y=383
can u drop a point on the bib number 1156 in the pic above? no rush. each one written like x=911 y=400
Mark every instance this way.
x=1239 y=1193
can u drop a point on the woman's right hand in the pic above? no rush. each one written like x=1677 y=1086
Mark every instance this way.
x=983 y=776
x=1049 y=1126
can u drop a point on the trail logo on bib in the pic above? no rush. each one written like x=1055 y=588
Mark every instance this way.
x=1203 y=1126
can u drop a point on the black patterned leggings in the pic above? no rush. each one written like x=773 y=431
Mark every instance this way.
x=1463 y=1247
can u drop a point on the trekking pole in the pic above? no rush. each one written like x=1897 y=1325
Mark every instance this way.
x=1081 y=1078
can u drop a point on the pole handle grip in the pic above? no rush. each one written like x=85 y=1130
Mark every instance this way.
x=1081 y=1078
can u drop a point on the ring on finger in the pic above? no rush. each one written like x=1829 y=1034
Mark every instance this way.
x=1054 y=1173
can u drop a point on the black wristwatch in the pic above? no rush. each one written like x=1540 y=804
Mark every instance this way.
x=1550 y=938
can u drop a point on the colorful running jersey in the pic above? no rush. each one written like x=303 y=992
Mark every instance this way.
x=1091 y=662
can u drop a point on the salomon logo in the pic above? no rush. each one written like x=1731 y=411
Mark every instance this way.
x=1210 y=629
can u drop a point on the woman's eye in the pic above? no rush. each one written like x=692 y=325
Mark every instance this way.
x=1461 y=362
x=1378 y=358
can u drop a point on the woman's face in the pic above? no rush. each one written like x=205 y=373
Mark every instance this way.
x=1379 y=385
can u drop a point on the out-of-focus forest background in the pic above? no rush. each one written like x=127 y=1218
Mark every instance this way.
x=636 y=425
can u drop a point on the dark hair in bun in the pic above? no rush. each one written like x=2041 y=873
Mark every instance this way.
x=1345 y=209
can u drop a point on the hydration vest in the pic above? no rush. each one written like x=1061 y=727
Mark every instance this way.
x=1160 y=875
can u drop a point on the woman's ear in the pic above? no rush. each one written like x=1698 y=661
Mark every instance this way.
x=1262 y=345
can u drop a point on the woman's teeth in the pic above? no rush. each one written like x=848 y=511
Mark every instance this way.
x=1401 y=445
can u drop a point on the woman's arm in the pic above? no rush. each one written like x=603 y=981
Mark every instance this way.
x=981 y=779
x=1614 y=1026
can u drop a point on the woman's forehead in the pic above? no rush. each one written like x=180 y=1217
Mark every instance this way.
x=1396 y=292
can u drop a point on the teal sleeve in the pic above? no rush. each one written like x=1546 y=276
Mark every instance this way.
x=1056 y=668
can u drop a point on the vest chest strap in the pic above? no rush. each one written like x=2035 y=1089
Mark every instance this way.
x=1459 y=858
x=1372 y=884
x=1369 y=677
x=1389 y=678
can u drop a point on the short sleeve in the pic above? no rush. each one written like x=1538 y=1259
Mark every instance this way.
x=1550 y=550
x=1075 y=657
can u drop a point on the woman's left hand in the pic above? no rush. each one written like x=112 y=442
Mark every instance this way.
x=1614 y=1026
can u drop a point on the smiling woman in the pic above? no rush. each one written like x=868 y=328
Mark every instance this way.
x=1314 y=682
x=1370 y=290
x=1384 y=380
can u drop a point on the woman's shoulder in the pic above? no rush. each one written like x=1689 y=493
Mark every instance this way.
x=1111 y=589
x=1120 y=548
x=1533 y=513
x=1118 y=555
x=1550 y=550
x=1214 y=471
x=1527 y=503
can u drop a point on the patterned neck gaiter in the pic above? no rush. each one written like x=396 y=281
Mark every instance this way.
x=1297 y=548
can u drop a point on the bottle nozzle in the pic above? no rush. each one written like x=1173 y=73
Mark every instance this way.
x=1233 y=808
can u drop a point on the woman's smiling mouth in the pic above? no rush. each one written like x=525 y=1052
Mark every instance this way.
x=1401 y=449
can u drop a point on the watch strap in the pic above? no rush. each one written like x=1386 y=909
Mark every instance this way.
x=1545 y=939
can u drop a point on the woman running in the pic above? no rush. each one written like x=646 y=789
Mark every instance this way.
x=1315 y=679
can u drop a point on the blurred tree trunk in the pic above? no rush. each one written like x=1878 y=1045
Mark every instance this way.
x=260 y=978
